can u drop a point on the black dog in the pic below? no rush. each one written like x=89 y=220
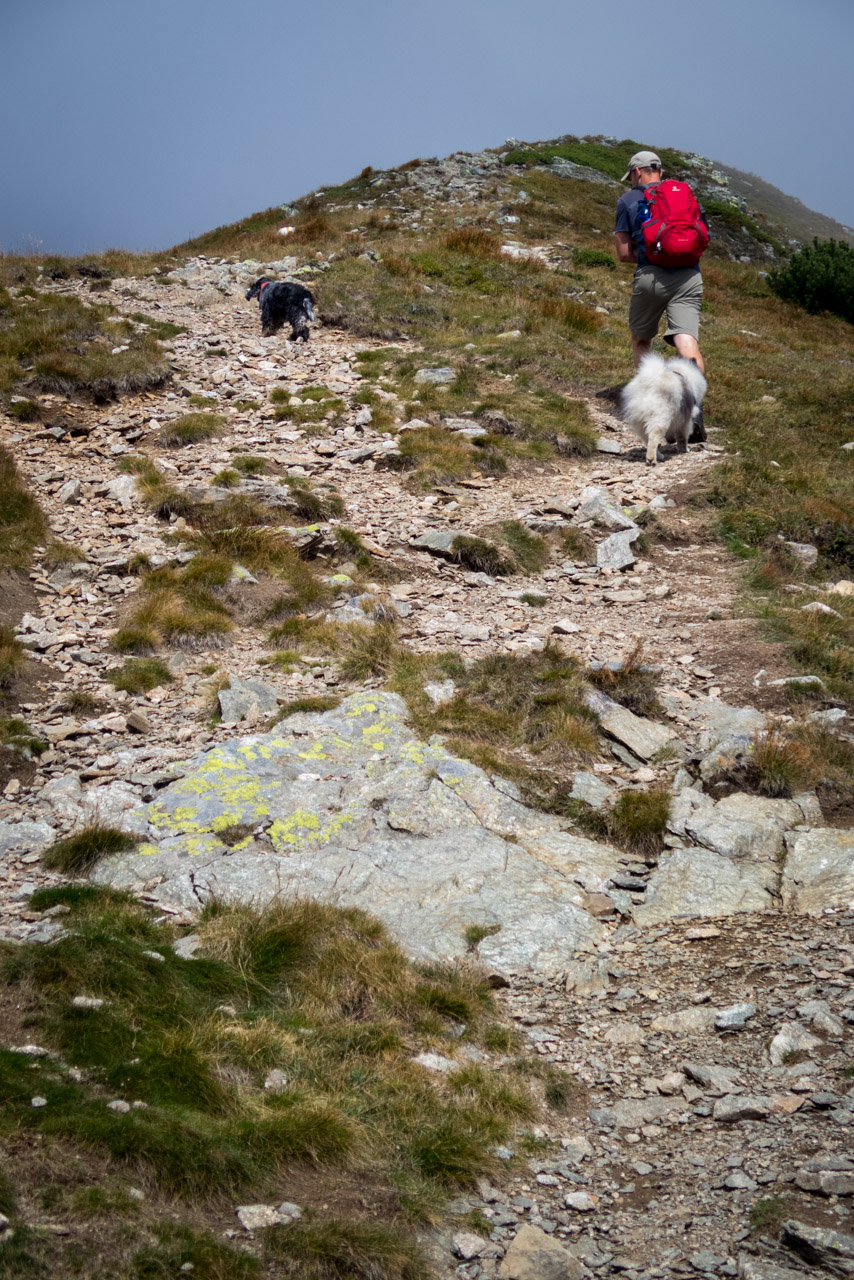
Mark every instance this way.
x=283 y=303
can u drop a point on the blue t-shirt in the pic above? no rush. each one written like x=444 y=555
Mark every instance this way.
x=629 y=220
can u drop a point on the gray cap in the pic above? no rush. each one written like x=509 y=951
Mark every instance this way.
x=642 y=160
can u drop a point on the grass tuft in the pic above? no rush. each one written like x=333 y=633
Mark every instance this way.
x=79 y=852
x=189 y=429
x=329 y=1249
x=140 y=675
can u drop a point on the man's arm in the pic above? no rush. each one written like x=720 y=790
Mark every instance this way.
x=627 y=250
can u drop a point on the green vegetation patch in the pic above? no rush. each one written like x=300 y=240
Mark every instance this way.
x=820 y=277
x=56 y=342
x=190 y=428
x=611 y=160
x=321 y=995
x=732 y=216
x=79 y=852
x=22 y=523
x=140 y=675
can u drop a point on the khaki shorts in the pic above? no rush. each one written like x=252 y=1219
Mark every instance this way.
x=658 y=289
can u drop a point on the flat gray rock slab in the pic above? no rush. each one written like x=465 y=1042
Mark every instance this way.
x=700 y=882
x=439 y=541
x=616 y=552
x=350 y=807
x=643 y=737
x=250 y=700
x=716 y=719
x=25 y=837
x=819 y=870
x=743 y=826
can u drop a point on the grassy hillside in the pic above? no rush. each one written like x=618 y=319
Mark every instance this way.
x=398 y=254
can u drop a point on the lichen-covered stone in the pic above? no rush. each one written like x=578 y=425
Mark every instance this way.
x=351 y=807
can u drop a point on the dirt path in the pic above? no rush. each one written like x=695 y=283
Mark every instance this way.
x=658 y=1177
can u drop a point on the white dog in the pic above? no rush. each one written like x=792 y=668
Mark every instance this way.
x=664 y=401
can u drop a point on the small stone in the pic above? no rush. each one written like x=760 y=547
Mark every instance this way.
x=436 y=1062
x=735 y=1107
x=187 y=947
x=119 y=1104
x=436 y=377
x=38 y=1102
x=816 y=606
x=138 y=723
x=276 y=1081
x=735 y=1017
x=467 y=1245
x=740 y=1182
x=86 y=1002
x=803 y=551
x=581 y=1201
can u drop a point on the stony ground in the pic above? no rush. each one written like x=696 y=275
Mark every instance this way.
x=655 y=1169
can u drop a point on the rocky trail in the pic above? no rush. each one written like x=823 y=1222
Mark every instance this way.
x=705 y=1016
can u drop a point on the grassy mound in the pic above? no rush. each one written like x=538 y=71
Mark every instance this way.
x=163 y=1074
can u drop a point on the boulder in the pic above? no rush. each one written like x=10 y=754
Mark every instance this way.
x=820 y=1246
x=533 y=1255
x=819 y=870
x=641 y=736
x=700 y=882
x=616 y=552
x=250 y=700
x=354 y=809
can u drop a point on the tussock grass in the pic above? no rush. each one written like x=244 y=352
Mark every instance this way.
x=163 y=329
x=139 y=675
x=530 y=551
x=636 y=822
x=22 y=524
x=313 y=505
x=320 y=993
x=512 y=714
x=177 y=608
x=782 y=761
x=329 y=1249
x=53 y=342
x=17 y=741
x=80 y=852
x=59 y=553
x=481 y=556
x=12 y=656
x=191 y=428
x=631 y=682
x=594 y=258
x=82 y=702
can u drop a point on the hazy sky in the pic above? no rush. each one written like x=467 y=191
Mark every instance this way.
x=139 y=123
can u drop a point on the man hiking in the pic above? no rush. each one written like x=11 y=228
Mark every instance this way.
x=656 y=289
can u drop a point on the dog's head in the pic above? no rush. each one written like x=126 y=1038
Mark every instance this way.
x=257 y=288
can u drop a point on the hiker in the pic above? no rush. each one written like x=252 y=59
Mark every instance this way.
x=657 y=288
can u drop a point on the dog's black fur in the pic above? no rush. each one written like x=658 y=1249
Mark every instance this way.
x=283 y=303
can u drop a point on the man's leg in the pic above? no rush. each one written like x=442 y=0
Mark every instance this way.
x=689 y=348
x=640 y=348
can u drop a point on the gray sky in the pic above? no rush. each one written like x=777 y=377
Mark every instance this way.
x=139 y=123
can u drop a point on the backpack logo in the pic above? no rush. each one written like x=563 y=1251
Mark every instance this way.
x=672 y=227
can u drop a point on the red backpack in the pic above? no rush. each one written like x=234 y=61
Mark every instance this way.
x=674 y=234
